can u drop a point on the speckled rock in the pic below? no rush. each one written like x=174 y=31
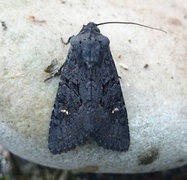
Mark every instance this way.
x=154 y=86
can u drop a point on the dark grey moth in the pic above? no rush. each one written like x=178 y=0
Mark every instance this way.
x=89 y=103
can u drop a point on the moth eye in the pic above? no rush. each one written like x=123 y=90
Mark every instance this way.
x=97 y=30
x=80 y=42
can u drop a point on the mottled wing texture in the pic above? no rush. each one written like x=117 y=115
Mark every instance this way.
x=89 y=101
x=68 y=126
x=112 y=131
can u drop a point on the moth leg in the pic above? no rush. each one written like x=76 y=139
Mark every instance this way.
x=66 y=43
x=57 y=73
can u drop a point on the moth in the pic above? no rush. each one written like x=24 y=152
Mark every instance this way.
x=89 y=103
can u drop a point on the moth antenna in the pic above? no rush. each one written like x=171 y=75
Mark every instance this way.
x=133 y=23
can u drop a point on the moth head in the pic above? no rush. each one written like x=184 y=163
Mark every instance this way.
x=90 y=27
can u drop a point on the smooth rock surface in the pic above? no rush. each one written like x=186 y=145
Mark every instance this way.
x=155 y=95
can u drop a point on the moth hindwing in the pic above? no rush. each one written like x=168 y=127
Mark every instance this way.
x=89 y=101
